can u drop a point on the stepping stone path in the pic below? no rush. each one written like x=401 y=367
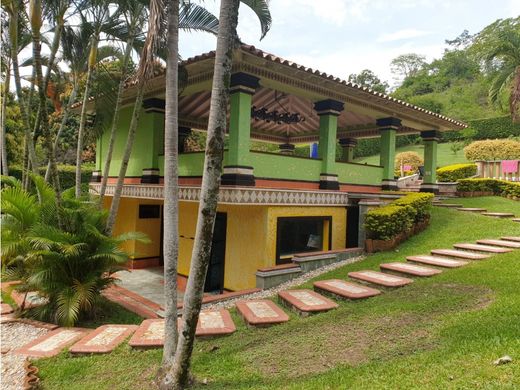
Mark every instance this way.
x=449 y=205
x=511 y=238
x=52 y=343
x=261 y=312
x=103 y=340
x=459 y=254
x=503 y=243
x=482 y=248
x=437 y=261
x=515 y=219
x=499 y=215
x=410 y=269
x=345 y=290
x=380 y=278
x=5 y=309
x=472 y=209
x=150 y=334
x=306 y=302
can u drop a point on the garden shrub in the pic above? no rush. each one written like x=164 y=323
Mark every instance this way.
x=497 y=187
x=412 y=159
x=386 y=222
x=452 y=173
x=489 y=150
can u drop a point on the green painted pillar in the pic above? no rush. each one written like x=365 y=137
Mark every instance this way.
x=328 y=111
x=97 y=174
x=348 y=145
x=388 y=129
x=239 y=171
x=430 y=141
x=154 y=122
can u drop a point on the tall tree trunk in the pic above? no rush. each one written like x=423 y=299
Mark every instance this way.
x=36 y=22
x=83 y=117
x=226 y=41
x=115 y=119
x=171 y=191
x=65 y=117
x=3 y=147
x=114 y=207
x=13 y=34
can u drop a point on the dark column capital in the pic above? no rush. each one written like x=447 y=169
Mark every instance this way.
x=431 y=135
x=388 y=123
x=329 y=107
x=244 y=82
x=348 y=142
x=154 y=105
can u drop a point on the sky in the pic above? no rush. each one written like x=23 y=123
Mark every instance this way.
x=341 y=37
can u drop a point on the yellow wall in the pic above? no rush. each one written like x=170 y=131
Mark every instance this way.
x=250 y=235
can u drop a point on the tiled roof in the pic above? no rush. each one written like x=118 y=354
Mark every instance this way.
x=273 y=58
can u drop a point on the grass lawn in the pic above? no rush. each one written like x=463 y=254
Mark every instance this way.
x=444 y=155
x=442 y=332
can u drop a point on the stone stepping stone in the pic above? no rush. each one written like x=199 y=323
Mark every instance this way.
x=472 y=209
x=214 y=323
x=511 y=238
x=459 y=254
x=503 y=243
x=515 y=219
x=104 y=339
x=481 y=248
x=437 y=261
x=410 y=269
x=52 y=343
x=345 y=290
x=499 y=215
x=449 y=205
x=380 y=278
x=306 y=302
x=261 y=312
x=150 y=334
x=5 y=308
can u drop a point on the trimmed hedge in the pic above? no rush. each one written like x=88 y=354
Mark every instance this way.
x=490 y=128
x=497 y=187
x=452 y=173
x=371 y=146
x=67 y=174
x=490 y=150
x=385 y=223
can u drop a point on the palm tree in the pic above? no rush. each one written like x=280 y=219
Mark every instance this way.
x=6 y=70
x=227 y=41
x=192 y=17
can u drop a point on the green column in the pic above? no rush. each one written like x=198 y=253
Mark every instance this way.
x=348 y=145
x=239 y=128
x=99 y=152
x=150 y=139
x=388 y=129
x=387 y=156
x=328 y=111
x=430 y=140
x=327 y=145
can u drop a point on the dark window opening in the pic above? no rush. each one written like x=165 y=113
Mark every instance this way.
x=301 y=234
x=149 y=211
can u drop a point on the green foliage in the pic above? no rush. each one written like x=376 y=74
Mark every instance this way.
x=67 y=174
x=452 y=173
x=408 y=158
x=489 y=150
x=386 y=222
x=372 y=146
x=368 y=79
x=497 y=187
x=62 y=253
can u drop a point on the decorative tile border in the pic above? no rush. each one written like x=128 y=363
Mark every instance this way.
x=236 y=195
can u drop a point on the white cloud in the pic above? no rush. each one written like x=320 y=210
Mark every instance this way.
x=408 y=33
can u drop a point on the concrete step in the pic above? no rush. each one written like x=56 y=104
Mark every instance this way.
x=437 y=261
x=499 y=215
x=515 y=219
x=510 y=238
x=5 y=308
x=459 y=254
x=471 y=209
x=150 y=334
x=103 y=339
x=306 y=302
x=502 y=243
x=261 y=312
x=52 y=343
x=380 y=278
x=409 y=269
x=214 y=323
x=481 y=248
x=342 y=289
